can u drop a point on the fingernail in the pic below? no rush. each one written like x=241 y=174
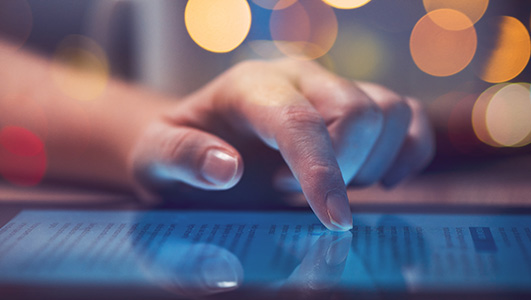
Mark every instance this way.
x=219 y=274
x=219 y=167
x=338 y=250
x=339 y=210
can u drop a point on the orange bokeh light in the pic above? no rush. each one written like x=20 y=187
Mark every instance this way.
x=441 y=51
x=304 y=30
x=218 y=26
x=510 y=53
x=473 y=9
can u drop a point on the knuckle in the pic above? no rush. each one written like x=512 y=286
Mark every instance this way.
x=300 y=116
x=172 y=147
x=244 y=68
x=360 y=104
x=322 y=169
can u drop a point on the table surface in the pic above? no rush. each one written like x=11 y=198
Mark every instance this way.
x=499 y=182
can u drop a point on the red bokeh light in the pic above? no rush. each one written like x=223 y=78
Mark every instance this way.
x=22 y=156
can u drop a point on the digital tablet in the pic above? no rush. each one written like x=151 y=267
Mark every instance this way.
x=163 y=254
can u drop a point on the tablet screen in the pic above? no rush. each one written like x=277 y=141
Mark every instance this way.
x=200 y=253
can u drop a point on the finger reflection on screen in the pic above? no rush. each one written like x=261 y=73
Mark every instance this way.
x=321 y=268
x=188 y=269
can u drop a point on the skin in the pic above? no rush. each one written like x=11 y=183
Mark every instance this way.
x=330 y=131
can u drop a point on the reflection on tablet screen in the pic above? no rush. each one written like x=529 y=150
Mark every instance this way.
x=202 y=253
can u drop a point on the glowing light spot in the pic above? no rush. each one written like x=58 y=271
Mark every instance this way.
x=360 y=53
x=20 y=141
x=16 y=22
x=346 y=4
x=80 y=68
x=305 y=30
x=274 y=4
x=22 y=156
x=439 y=51
x=507 y=115
x=227 y=284
x=510 y=53
x=473 y=9
x=218 y=26
x=479 y=112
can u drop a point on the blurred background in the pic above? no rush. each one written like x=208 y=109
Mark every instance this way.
x=467 y=61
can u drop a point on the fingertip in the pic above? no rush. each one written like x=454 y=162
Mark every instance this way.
x=338 y=212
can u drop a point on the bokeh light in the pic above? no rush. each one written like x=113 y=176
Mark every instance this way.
x=274 y=4
x=473 y=9
x=16 y=22
x=218 y=26
x=80 y=68
x=22 y=156
x=305 y=30
x=479 y=114
x=360 y=53
x=509 y=54
x=508 y=115
x=441 y=51
x=346 y=4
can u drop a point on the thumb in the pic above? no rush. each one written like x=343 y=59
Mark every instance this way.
x=166 y=154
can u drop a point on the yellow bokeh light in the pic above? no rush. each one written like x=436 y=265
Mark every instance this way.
x=218 y=26
x=80 y=68
x=440 y=51
x=479 y=113
x=360 y=53
x=510 y=53
x=473 y=9
x=508 y=115
x=346 y=4
x=305 y=30
x=274 y=4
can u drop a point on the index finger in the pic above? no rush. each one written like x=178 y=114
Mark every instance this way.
x=284 y=119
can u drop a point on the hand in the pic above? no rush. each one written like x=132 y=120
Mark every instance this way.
x=328 y=130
